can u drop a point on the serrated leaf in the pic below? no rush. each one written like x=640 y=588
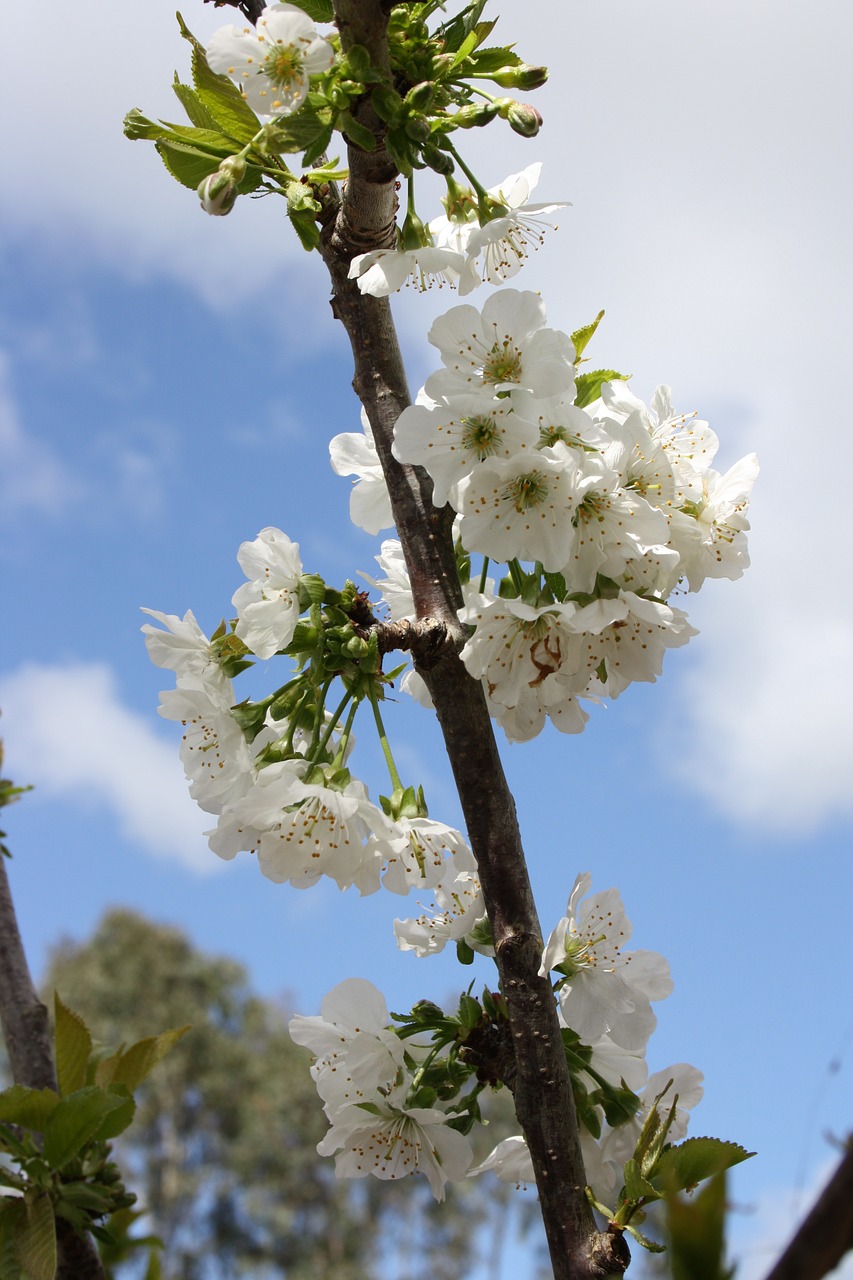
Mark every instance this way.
x=186 y=165
x=136 y=126
x=581 y=337
x=636 y=1186
x=30 y=1108
x=306 y=229
x=651 y=1245
x=589 y=384
x=118 y=1119
x=75 y=1120
x=212 y=140
x=318 y=147
x=694 y=1160
x=196 y=110
x=317 y=10
x=488 y=60
x=141 y=1058
x=223 y=100
x=35 y=1238
x=11 y=1213
x=73 y=1042
x=296 y=132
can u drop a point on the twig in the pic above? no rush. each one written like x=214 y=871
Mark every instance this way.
x=826 y=1233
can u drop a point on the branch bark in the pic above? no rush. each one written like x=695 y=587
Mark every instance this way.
x=364 y=220
x=26 y=1032
x=826 y=1234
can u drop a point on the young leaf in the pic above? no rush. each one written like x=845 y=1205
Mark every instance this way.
x=73 y=1046
x=196 y=110
x=188 y=166
x=589 y=384
x=141 y=1058
x=11 y=1214
x=30 y=1108
x=119 y=1118
x=636 y=1186
x=683 y=1167
x=75 y=1121
x=581 y=336
x=223 y=100
x=35 y=1238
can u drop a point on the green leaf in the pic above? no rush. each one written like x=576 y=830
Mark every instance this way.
x=140 y=1059
x=188 y=166
x=696 y=1231
x=356 y=133
x=296 y=132
x=35 y=1238
x=306 y=228
x=119 y=1118
x=136 y=126
x=589 y=384
x=484 y=61
x=636 y=1186
x=317 y=10
x=651 y=1245
x=220 y=98
x=30 y=1108
x=193 y=105
x=691 y=1162
x=75 y=1121
x=73 y=1047
x=11 y=1213
x=581 y=336
x=213 y=141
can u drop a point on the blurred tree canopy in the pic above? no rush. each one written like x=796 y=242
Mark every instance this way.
x=222 y=1151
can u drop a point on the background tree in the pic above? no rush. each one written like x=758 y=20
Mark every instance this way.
x=222 y=1151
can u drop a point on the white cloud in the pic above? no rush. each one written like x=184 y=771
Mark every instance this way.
x=67 y=731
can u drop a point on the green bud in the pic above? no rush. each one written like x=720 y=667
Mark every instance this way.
x=473 y=116
x=437 y=160
x=358 y=59
x=218 y=191
x=421 y=96
x=417 y=128
x=524 y=119
x=523 y=77
x=387 y=104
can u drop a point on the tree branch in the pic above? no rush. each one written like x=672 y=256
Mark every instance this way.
x=543 y=1095
x=826 y=1234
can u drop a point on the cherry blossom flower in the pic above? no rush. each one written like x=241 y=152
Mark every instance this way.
x=505 y=347
x=355 y=455
x=272 y=61
x=357 y=1054
x=456 y=912
x=185 y=649
x=604 y=989
x=383 y=271
x=392 y=1142
x=268 y=604
x=418 y=851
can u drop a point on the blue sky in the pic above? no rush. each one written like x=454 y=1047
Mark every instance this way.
x=169 y=384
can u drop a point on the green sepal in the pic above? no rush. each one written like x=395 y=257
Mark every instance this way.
x=29 y=1108
x=75 y=1120
x=131 y=1066
x=691 y=1162
x=73 y=1042
x=317 y=10
x=35 y=1237
x=197 y=112
x=588 y=385
x=464 y=953
x=580 y=337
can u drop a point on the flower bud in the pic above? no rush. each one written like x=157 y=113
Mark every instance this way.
x=524 y=119
x=218 y=191
x=472 y=116
x=421 y=96
x=439 y=161
x=522 y=77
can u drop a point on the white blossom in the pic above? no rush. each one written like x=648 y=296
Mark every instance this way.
x=355 y=455
x=272 y=61
x=268 y=604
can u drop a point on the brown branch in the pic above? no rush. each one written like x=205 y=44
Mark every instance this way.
x=543 y=1096
x=26 y=1032
x=826 y=1233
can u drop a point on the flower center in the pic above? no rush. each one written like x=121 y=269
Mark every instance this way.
x=503 y=363
x=527 y=491
x=284 y=65
x=482 y=436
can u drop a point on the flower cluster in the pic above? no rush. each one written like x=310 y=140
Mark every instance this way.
x=614 y=506
x=605 y=996
x=274 y=773
x=367 y=1081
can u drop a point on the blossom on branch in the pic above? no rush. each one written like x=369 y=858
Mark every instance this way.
x=272 y=61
